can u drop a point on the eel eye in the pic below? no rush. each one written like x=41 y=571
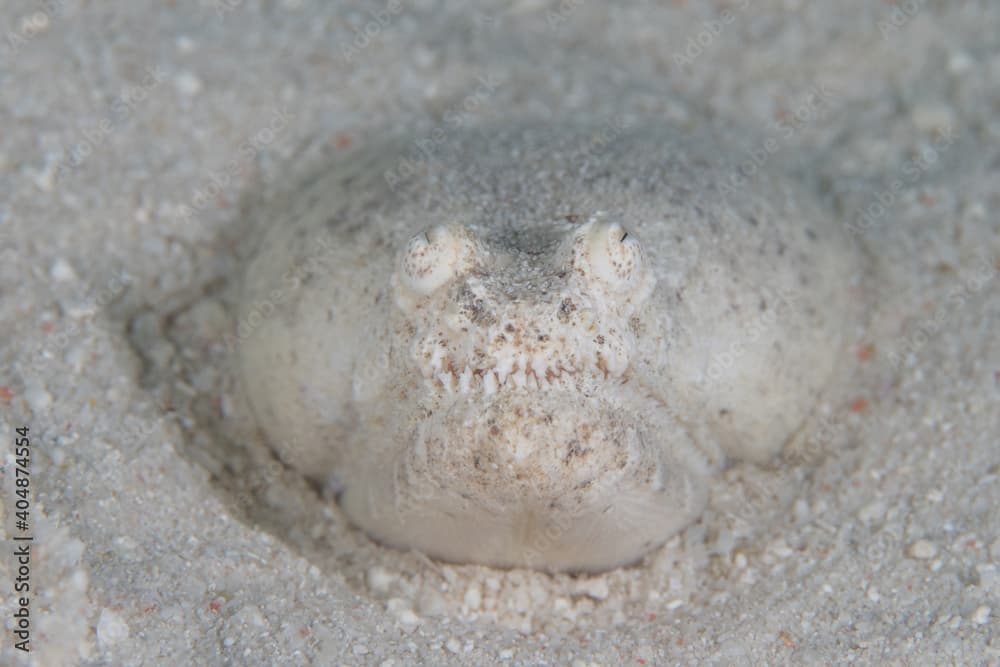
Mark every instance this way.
x=613 y=255
x=433 y=257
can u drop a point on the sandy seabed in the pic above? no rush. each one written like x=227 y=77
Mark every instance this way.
x=137 y=138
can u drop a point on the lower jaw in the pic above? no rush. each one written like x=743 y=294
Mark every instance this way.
x=589 y=539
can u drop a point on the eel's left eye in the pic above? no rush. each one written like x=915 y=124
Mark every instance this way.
x=432 y=258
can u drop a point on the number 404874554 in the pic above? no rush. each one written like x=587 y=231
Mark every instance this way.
x=22 y=460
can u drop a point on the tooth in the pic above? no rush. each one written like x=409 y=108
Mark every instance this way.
x=540 y=366
x=533 y=381
x=465 y=380
x=436 y=357
x=503 y=369
x=417 y=354
x=489 y=383
x=446 y=380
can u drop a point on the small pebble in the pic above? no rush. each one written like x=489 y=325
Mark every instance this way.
x=379 y=579
x=923 y=550
x=187 y=84
x=562 y=606
x=403 y=613
x=76 y=357
x=781 y=549
x=981 y=615
x=184 y=44
x=432 y=603
x=959 y=62
x=111 y=629
x=594 y=588
x=38 y=399
x=45 y=178
x=872 y=512
x=360 y=649
x=453 y=645
x=252 y=615
x=473 y=598
x=801 y=510
x=62 y=271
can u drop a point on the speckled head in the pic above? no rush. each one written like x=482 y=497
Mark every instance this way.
x=514 y=399
x=552 y=315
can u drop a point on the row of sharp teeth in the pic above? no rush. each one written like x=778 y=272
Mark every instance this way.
x=492 y=380
x=608 y=357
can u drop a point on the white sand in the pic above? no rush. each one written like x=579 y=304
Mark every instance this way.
x=164 y=533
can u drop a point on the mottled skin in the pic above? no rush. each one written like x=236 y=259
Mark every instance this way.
x=533 y=349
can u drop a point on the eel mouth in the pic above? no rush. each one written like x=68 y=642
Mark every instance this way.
x=522 y=356
x=516 y=376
